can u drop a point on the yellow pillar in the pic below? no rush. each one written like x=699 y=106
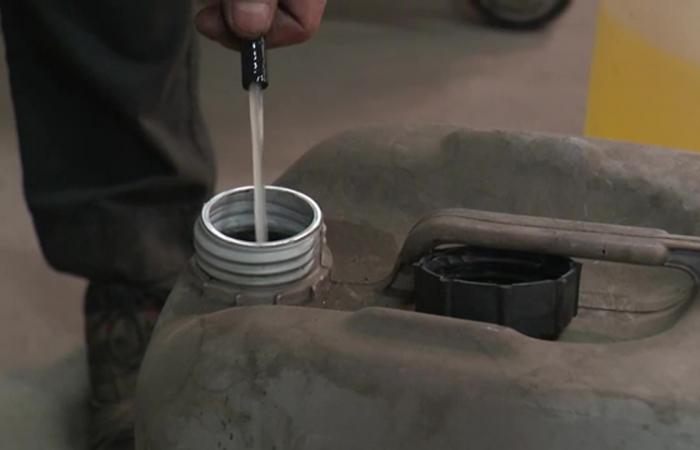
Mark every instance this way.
x=645 y=83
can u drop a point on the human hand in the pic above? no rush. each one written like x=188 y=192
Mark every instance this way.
x=282 y=22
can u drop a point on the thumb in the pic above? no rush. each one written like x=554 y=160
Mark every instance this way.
x=249 y=19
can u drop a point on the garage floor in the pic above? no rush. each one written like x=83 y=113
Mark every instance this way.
x=428 y=62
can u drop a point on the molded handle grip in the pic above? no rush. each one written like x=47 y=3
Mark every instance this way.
x=596 y=241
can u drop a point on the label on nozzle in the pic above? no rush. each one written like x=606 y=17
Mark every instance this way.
x=253 y=63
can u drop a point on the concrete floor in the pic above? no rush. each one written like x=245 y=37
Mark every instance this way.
x=427 y=62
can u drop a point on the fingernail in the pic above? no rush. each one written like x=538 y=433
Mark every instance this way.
x=251 y=17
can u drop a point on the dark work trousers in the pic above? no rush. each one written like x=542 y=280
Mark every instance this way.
x=116 y=159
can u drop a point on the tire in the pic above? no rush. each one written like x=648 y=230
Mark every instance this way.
x=544 y=11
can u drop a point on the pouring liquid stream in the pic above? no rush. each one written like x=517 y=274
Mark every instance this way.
x=258 y=139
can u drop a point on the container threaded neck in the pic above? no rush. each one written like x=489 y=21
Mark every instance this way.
x=225 y=248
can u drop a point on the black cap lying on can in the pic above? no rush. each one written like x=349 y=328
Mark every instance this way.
x=536 y=295
x=253 y=63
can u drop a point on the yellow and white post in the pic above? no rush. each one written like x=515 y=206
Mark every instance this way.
x=645 y=81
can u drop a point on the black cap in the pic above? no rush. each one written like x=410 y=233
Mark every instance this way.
x=536 y=295
x=253 y=63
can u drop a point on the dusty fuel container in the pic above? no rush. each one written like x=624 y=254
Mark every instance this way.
x=447 y=316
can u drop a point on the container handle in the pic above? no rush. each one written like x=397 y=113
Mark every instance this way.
x=597 y=241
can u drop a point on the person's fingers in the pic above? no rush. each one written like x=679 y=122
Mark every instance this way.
x=210 y=22
x=307 y=14
x=249 y=19
x=295 y=22
x=290 y=22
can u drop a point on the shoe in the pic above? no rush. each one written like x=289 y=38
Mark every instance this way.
x=119 y=320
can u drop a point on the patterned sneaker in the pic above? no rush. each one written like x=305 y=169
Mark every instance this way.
x=118 y=324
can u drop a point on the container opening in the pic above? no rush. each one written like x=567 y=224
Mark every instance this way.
x=248 y=234
x=289 y=214
x=225 y=248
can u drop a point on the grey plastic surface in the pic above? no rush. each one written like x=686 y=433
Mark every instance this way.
x=271 y=377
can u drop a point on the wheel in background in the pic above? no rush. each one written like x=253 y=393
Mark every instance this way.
x=521 y=14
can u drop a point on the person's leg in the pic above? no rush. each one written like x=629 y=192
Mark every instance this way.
x=116 y=161
x=115 y=157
